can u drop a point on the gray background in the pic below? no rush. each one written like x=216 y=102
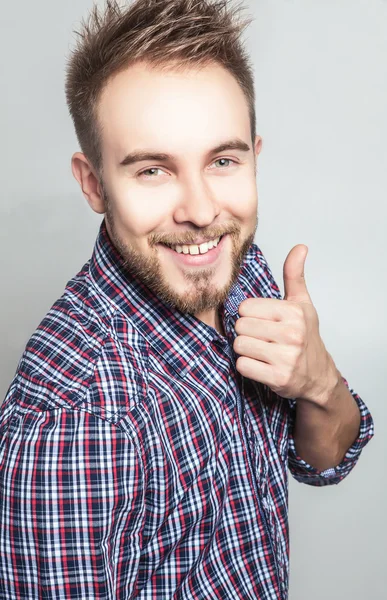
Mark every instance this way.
x=321 y=83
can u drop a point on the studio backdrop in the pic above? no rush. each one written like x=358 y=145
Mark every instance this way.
x=321 y=98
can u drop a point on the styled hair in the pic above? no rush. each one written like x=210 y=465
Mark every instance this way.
x=164 y=33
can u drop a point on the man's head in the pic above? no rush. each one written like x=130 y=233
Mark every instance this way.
x=168 y=78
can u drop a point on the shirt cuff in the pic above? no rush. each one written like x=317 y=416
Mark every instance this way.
x=305 y=473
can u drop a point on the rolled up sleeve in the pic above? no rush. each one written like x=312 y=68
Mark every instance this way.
x=305 y=473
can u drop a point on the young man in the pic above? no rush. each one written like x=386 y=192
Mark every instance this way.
x=146 y=435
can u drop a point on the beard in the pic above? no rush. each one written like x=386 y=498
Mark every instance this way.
x=201 y=294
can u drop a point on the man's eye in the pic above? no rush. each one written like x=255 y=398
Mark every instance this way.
x=226 y=159
x=148 y=171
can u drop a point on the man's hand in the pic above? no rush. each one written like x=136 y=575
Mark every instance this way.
x=279 y=341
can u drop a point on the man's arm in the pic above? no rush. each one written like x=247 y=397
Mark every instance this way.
x=71 y=497
x=338 y=424
x=323 y=434
x=303 y=471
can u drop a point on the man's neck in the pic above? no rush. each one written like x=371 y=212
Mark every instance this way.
x=212 y=318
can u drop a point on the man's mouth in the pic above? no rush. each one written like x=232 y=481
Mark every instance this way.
x=195 y=249
x=197 y=255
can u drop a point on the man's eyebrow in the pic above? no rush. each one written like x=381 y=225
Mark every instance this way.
x=141 y=155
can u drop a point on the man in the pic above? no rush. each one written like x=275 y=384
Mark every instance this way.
x=147 y=432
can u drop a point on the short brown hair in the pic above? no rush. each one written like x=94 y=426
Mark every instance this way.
x=164 y=33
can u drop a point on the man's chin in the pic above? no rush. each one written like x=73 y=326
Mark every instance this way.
x=195 y=304
x=195 y=296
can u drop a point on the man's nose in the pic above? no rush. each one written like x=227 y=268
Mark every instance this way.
x=197 y=203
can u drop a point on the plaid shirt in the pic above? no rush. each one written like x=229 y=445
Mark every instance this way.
x=136 y=462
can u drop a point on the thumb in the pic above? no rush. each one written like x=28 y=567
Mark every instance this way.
x=294 y=280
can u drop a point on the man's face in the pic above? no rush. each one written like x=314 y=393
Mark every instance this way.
x=193 y=195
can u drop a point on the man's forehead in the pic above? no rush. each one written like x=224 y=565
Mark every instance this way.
x=171 y=117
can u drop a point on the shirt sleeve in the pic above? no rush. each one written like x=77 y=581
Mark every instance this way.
x=305 y=473
x=71 y=497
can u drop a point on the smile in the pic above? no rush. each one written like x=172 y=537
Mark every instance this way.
x=196 y=255
x=195 y=248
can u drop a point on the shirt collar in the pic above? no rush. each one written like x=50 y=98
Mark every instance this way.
x=179 y=337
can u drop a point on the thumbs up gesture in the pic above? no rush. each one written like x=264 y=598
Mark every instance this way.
x=279 y=343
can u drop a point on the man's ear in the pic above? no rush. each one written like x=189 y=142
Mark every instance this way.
x=85 y=175
x=257 y=150
x=257 y=145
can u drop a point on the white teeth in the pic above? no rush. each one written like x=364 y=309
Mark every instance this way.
x=195 y=249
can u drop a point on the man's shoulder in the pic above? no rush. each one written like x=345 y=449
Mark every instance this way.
x=81 y=352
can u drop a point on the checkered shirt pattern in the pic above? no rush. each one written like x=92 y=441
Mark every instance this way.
x=135 y=461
